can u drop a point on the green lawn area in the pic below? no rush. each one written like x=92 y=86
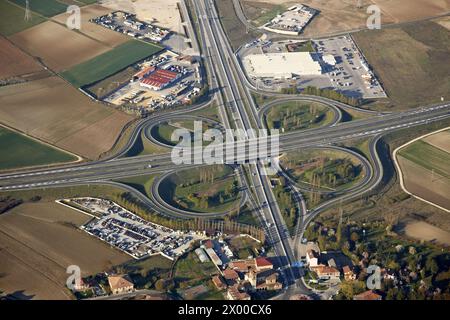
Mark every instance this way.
x=141 y=183
x=296 y=115
x=144 y=146
x=47 y=8
x=244 y=247
x=207 y=189
x=163 y=132
x=146 y=272
x=212 y=112
x=12 y=19
x=110 y=62
x=428 y=156
x=18 y=151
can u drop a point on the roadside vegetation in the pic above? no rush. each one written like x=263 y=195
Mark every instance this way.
x=297 y=115
x=322 y=169
x=326 y=93
x=206 y=189
x=235 y=30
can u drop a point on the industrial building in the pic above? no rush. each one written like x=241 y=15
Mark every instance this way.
x=284 y=65
x=159 y=79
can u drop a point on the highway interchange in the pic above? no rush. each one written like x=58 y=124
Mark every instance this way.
x=233 y=93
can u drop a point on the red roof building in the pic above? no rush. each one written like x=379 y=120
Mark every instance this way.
x=262 y=263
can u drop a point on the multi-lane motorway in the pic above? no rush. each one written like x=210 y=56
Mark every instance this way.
x=233 y=91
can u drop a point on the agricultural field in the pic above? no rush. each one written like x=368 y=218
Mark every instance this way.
x=440 y=140
x=46 y=8
x=12 y=19
x=295 y=115
x=38 y=241
x=322 y=169
x=78 y=125
x=426 y=171
x=110 y=62
x=19 y=151
x=59 y=47
x=411 y=61
x=105 y=36
x=14 y=61
x=207 y=189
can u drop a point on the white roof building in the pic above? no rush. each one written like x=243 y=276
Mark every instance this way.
x=282 y=65
x=329 y=59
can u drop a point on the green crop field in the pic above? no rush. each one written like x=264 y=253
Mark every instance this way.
x=19 y=151
x=47 y=8
x=428 y=156
x=110 y=62
x=295 y=115
x=12 y=19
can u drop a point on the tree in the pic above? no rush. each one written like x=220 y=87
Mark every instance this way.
x=161 y=285
x=431 y=266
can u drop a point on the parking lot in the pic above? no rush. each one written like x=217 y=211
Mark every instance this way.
x=351 y=74
x=129 y=233
x=347 y=73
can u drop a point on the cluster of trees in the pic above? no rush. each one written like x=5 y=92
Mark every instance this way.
x=204 y=201
x=420 y=271
x=133 y=204
x=326 y=93
x=287 y=204
x=333 y=172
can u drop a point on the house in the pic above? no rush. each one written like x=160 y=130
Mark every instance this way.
x=120 y=284
x=259 y=264
x=81 y=285
x=234 y=294
x=368 y=295
x=263 y=280
x=262 y=264
x=230 y=275
x=312 y=258
x=348 y=273
x=219 y=282
x=326 y=272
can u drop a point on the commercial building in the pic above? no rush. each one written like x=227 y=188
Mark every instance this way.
x=291 y=22
x=282 y=65
x=159 y=79
x=201 y=255
x=214 y=257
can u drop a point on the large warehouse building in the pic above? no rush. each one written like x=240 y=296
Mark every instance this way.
x=282 y=65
